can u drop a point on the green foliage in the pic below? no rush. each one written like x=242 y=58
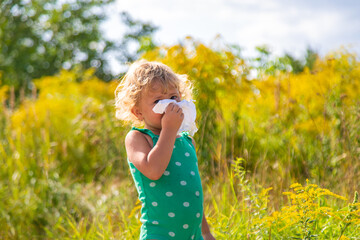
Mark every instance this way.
x=68 y=119
x=40 y=37
x=51 y=147
x=139 y=34
x=285 y=121
x=266 y=64
x=64 y=172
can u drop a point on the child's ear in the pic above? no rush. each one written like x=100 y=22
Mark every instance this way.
x=136 y=111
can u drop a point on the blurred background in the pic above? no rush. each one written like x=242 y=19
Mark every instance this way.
x=283 y=26
x=277 y=90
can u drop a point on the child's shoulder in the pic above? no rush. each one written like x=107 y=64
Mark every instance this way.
x=137 y=137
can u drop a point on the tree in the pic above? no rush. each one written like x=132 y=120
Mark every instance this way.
x=138 y=36
x=40 y=37
x=137 y=39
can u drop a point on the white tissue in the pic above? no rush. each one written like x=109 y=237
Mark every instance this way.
x=189 y=111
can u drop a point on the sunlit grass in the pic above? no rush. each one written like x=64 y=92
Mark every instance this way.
x=64 y=173
x=235 y=209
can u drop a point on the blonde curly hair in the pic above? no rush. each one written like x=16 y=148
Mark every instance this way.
x=140 y=76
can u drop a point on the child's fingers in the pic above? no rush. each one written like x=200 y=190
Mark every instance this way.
x=173 y=107
x=170 y=107
x=177 y=109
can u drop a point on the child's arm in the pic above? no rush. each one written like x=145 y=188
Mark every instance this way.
x=205 y=230
x=152 y=162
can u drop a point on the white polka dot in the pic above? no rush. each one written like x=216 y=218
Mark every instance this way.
x=139 y=188
x=187 y=154
x=185 y=226
x=154 y=204
x=155 y=222
x=171 y=234
x=186 y=204
x=183 y=183
x=193 y=236
x=133 y=170
x=171 y=214
x=168 y=194
x=192 y=173
x=178 y=164
x=152 y=184
x=174 y=146
x=197 y=193
x=190 y=145
x=166 y=173
x=198 y=215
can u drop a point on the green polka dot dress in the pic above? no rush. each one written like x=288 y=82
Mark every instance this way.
x=172 y=206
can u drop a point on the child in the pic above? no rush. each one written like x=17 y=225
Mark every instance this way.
x=163 y=164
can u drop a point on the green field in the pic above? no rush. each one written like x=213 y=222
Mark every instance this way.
x=279 y=154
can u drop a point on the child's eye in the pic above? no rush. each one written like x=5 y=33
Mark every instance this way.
x=156 y=101
x=173 y=97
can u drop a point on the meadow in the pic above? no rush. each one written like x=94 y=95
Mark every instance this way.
x=279 y=154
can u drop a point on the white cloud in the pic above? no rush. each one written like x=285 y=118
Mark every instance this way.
x=283 y=25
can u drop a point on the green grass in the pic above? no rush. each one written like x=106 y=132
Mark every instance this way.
x=64 y=174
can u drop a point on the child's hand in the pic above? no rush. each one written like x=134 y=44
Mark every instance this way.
x=172 y=117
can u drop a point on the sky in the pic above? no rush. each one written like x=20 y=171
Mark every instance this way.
x=284 y=26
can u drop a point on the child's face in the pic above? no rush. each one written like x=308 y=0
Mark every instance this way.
x=149 y=98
